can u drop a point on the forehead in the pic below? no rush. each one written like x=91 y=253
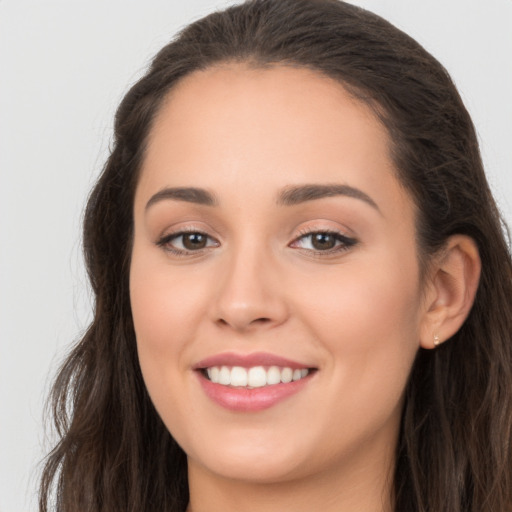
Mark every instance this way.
x=264 y=128
x=235 y=100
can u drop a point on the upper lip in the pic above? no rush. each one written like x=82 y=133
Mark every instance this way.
x=249 y=360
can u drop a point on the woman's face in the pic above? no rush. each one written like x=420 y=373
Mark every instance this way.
x=274 y=242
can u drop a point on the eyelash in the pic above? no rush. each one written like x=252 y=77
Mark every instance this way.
x=165 y=242
x=343 y=242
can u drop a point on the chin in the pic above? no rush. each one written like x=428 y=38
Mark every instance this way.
x=257 y=470
x=252 y=458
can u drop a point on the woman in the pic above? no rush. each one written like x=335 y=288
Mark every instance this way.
x=302 y=285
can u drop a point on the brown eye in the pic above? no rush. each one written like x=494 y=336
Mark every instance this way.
x=194 y=241
x=323 y=241
x=187 y=242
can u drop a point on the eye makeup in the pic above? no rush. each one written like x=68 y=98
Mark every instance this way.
x=320 y=242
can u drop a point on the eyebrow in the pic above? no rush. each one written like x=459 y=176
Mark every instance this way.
x=187 y=194
x=302 y=193
x=290 y=196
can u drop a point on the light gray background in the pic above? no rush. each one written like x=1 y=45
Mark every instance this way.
x=64 y=66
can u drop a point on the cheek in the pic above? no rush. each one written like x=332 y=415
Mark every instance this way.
x=164 y=311
x=166 y=316
x=368 y=320
x=165 y=305
x=357 y=301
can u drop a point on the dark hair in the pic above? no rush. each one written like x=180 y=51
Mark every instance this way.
x=453 y=455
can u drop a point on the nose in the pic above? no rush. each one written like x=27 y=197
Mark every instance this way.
x=250 y=295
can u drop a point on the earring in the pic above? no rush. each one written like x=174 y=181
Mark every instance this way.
x=437 y=342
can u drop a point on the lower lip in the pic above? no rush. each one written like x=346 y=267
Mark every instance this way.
x=251 y=400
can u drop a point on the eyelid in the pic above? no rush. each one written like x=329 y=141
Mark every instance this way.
x=345 y=241
x=186 y=226
x=165 y=239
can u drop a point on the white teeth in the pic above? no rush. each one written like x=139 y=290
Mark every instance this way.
x=238 y=376
x=257 y=377
x=273 y=375
x=225 y=376
x=254 y=377
x=213 y=374
x=286 y=375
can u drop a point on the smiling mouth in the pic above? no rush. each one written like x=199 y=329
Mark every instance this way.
x=255 y=376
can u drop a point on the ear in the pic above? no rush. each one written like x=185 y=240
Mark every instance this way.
x=451 y=289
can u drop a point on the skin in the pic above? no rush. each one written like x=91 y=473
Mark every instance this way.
x=358 y=313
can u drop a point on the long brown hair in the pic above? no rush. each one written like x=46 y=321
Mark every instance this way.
x=454 y=451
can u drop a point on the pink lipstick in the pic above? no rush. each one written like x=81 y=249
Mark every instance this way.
x=251 y=382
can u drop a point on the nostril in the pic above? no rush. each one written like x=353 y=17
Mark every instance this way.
x=244 y=325
x=261 y=320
